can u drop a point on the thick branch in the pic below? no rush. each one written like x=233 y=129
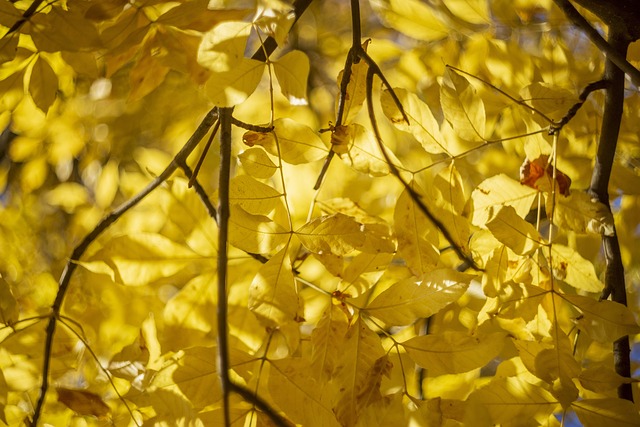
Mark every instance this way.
x=609 y=49
x=614 y=275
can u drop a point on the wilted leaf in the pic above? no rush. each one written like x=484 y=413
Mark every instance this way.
x=513 y=231
x=356 y=89
x=408 y=300
x=538 y=174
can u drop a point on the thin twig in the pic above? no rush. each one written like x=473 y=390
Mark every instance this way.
x=33 y=7
x=613 y=55
x=256 y=400
x=205 y=150
x=79 y=250
x=591 y=87
x=223 y=235
x=413 y=193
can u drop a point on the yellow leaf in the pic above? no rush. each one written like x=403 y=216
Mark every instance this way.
x=144 y=258
x=507 y=399
x=576 y=271
x=8 y=47
x=83 y=402
x=230 y=88
x=302 y=397
x=364 y=271
x=222 y=49
x=462 y=107
x=338 y=234
x=257 y=163
x=327 y=339
x=416 y=235
x=63 y=30
x=298 y=142
x=253 y=196
x=548 y=99
x=604 y=321
x=453 y=352
x=8 y=305
x=363 y=152
x=188 y=318
x=68 y=195
x=107 y=185
x=359 y=372
x=273 y=296
x=146 y=75
x=412 y=18
x=513 y=231
x=292 y=72
x=549 y=360
x=254 y=233
x=388 y=412
x=195 y=15
x=606 y=412
x=472 y=11
x=408 y=300
x=43 y=84
x=601 y=379
x=422 y=124
x=581 y=213
x=500 y=190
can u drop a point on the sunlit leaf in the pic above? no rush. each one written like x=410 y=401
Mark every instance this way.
x=408 y=300
x=298 y=143
x=273 y=296
x=511 y=398
x=253 y=196
x=500 y=190
x=8 y=304
x=257 y=163
x=462 y=107
x=608 y=411
x=422 y=124
x=229 y=88
x=294 y=389
x=327 y=340
x=222 y=48
x=473 y=11
x=363 y=153
x=412 y=18
x=337 y=234
x=254 y=233
x=359 y=372
x=581 y=213
x=548 y=99
x=141 y=259
x=356 y=89
x=576 y=271
x=604 y=320
x=513 y=231
x=292 y=72
x=453 y=352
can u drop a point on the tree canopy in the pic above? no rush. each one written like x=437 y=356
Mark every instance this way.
x=319 y=213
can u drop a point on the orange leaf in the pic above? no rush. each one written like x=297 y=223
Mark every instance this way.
x=538 y=174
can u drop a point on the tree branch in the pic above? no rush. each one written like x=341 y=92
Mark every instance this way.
x=609 y=49
x=79 y=250
x=614 y=274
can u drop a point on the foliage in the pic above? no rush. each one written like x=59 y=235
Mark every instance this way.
x=446 y=269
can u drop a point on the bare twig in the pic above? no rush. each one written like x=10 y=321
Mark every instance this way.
x=223 y=235
x=614 y=275
x=413 y=193
x=79 y=250
x=249 y=396
x=33 y=7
